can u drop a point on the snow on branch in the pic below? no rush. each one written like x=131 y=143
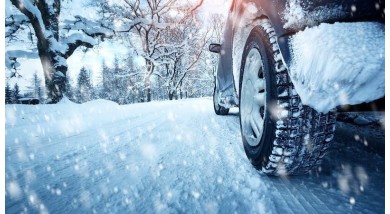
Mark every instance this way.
x=90 y=28
x=13 y=23
x=76 y=40
x=29 y=9
x=11 y=57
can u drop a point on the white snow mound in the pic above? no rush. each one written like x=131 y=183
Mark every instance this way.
x=65 y=101
x=338 y=64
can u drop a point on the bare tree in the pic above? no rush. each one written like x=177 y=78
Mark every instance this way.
x=147 y=20
x=186 y=47
x=217 y=24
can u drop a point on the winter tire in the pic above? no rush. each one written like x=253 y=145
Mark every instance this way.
x=219 y=110
x=280 y=135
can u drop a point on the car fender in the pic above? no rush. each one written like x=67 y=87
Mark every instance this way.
x=247 y=15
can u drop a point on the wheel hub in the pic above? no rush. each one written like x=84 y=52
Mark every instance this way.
x=252 y=98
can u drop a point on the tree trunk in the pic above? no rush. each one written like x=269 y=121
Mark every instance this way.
x=170 y=96
x=55 y=77
x=53 y=63
x=148 y=91
x=147 y=82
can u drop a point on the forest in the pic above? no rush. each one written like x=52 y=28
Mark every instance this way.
x=165 y=41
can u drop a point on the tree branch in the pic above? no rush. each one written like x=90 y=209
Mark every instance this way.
x=14 y=23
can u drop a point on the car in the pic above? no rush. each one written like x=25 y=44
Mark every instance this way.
x=28 y=101
x=287 y=106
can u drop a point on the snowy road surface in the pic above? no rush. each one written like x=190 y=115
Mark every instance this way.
x=171 y=157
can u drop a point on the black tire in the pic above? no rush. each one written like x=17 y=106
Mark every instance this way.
x=219 y=110
x=295 y=142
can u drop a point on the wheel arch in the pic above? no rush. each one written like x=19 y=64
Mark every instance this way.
x=249 y=21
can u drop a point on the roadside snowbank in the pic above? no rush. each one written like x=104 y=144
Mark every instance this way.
x=67 y=118
x=341 y=63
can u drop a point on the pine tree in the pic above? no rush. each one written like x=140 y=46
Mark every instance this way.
x=69 y=91
x=16 y=94
x=116 y=82
x=8 y=94
x=121 y=83
x=107 y=78
x=84 y=85
x=36 y=87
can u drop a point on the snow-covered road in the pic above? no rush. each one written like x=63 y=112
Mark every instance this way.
x=171 y=157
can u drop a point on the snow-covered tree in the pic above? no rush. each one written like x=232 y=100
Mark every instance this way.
x=119 y=82
x=107 y=81
x=200 y=83
x=55 y=41
x=217 y=23
x=36 y=87
x=8 y=94
x=135 y=76
x=15 y=93
x=70 y=91
x=84 y=85
x=184 y=48
x=146 y=21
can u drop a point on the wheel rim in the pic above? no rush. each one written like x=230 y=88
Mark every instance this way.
x=253 y=98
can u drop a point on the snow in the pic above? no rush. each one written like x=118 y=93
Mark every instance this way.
x=32 y=8
x=167 y=157
x=87 y=26
x=81 y=37
x=13 y=22
x=60 y=62
x=12 y=55
x=297 y=15
x=336 y=64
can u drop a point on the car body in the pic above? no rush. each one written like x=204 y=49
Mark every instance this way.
x=28 y=100
x=288 y=64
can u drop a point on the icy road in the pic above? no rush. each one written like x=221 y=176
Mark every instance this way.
x=172 y=157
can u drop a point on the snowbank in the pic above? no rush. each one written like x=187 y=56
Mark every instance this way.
x=341 y=63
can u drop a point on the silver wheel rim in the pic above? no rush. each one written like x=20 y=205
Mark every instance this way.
x=252 y=98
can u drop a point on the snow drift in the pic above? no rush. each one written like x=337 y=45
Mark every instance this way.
x=336 y=64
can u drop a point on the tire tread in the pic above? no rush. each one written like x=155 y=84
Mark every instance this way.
x=303 y=137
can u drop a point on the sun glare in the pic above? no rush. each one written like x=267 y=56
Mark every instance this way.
x=215 y=6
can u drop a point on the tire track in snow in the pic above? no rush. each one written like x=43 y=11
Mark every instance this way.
x=174 y=158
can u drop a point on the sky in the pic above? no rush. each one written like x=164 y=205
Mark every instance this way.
x=94 y=57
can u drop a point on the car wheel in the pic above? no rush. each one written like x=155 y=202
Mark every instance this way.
x=280 y=135
x=219 y=110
